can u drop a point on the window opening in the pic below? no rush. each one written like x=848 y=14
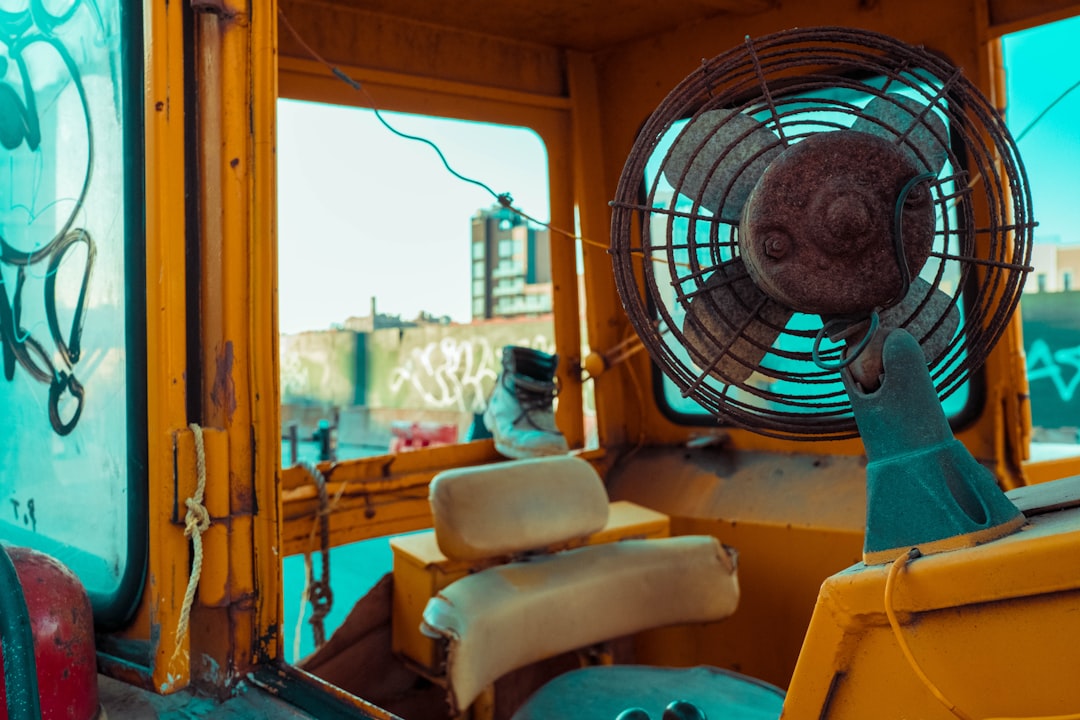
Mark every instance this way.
x=399 y=287
x=357 y=567
x=1043 y=101
x=400 y=284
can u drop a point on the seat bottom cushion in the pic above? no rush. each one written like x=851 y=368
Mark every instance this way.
x=505 y=617
x=601 y=693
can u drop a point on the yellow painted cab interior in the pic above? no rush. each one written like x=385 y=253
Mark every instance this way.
x=673 y=554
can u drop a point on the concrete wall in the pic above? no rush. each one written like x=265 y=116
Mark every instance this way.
x=444 y=373
x=432 y=373
x=321 y=368
x=448 y=368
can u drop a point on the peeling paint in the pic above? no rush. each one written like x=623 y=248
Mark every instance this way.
x=213 y=669
x=223 y=393
x=170 y=682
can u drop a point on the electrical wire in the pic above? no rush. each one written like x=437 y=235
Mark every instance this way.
x=890 y=613
x=505 y=199
x=1031 y=125
x=890 y=587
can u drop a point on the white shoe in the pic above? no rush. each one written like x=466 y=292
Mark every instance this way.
x=520 y=413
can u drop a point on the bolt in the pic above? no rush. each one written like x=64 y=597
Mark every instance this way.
x=777 y=245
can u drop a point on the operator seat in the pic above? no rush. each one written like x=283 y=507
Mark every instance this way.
x=531 y=601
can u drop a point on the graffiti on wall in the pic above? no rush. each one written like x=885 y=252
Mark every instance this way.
x=456 y=373
x=1060 y=367
x=295 y=374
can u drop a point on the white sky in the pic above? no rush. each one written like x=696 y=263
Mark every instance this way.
x=1040 y=64
x=365 y=213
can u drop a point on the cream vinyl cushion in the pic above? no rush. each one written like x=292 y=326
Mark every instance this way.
x=514 y=507
x=508 y=616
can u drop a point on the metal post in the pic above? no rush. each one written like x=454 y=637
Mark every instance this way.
x=294 y=444
x=323 y=435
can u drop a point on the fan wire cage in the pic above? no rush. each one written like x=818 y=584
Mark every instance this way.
x=674 y=245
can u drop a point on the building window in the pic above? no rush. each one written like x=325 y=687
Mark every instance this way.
x=1040 y=282
x=1066 y=281
x=478 y=251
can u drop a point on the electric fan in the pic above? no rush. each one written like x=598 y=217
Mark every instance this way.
x=797 y=198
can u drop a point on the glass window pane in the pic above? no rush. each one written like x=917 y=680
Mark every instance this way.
x=1043 y=103
x=70 y=117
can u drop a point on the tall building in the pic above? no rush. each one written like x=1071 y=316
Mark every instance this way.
x=1057 y=267
x=511 y=271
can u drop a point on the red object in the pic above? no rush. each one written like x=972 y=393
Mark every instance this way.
x=415 y=435
x=63 y=627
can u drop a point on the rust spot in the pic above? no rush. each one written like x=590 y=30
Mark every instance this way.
x=159 y=106
x=244 y=500
x=234 y=162
x=223 y=393
x=216 y=7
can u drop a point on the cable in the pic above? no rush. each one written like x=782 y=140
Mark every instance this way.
x=890 y=586
x=1048 y=108
x=506 y=200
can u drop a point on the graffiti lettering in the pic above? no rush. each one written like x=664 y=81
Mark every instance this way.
x=38 y=74
x=455 y=374
x=1060 y=367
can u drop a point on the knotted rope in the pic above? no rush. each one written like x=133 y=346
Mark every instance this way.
x=196 y=521
x=318 y=591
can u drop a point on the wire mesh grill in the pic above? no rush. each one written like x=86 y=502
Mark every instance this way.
x=675 y=242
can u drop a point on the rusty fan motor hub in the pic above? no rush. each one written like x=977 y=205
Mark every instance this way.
x=817 y=229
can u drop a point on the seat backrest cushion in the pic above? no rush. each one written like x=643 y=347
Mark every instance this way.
x=514 y=507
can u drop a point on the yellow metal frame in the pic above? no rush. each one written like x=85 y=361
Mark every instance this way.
x=969 y=618
x=547 y=115
x=166 y=325
x=234 y=624
x=794 y=529
x=588 y=126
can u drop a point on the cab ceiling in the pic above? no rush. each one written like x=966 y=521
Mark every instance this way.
x=586 y=25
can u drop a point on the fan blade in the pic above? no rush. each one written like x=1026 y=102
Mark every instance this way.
x=738 y=146
x=921 y=325
x=897 y=116
x=907 y=314
x=727 y=318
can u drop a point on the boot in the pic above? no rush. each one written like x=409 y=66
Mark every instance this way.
x=519 y=414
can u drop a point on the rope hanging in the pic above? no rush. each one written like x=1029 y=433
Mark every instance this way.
x=196 y=521
x=318 y=592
